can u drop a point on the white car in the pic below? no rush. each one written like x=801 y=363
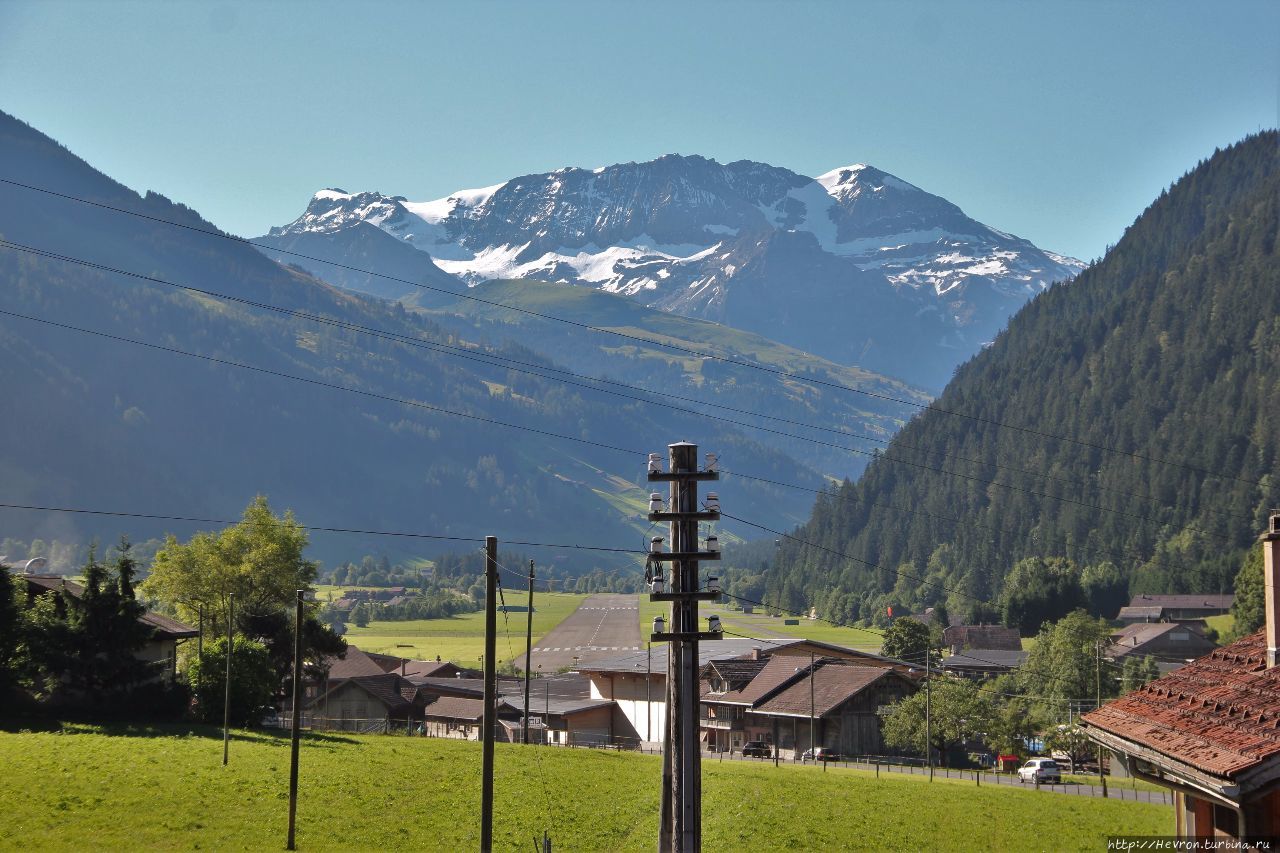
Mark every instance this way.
x=1040 y=770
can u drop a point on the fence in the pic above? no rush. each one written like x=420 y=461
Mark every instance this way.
x=1120 y=789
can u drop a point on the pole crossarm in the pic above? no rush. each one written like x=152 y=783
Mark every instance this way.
x=685 y=636
x=677 y=556
x=700 y=515
x=663 y=477
x=685 y=596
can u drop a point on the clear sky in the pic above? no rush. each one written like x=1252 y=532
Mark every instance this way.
x=1058 y=122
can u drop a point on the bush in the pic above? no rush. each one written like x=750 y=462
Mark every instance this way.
x=253 y=682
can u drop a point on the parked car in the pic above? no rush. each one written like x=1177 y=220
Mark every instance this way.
x=1040 y=770
x=757 y=749
x=822 y=753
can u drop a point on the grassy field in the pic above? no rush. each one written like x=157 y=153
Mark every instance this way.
x=167 y=790
x=461 y=638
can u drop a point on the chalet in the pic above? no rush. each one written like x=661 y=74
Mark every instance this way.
x=637 y=681
x=1175 y=608
x=785 y=701
x=985 y=637
x=456 y=717
x=981 y=664
x=1172 y=643
x=1210 y=730
x=366 y=701
x=161 y=651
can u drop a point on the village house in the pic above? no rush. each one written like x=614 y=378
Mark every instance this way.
x=366 y=703
x=637 y=681
x=981 y=664
x=160 y=651
x=985 y=637
x=1171 y=643
x=792 y=704
x=1174 y=608
x=1210 y=730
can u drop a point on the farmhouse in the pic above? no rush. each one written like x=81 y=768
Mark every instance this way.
x=637 y=681
x=365 y=702
x=987 y=637
x=982 y=664
x=793 y=704
x=161 y=651
x=1175 y=608
x=1211 y=730
x=1173 y=643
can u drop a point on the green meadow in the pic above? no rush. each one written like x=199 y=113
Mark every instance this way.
x=166 y=789
x=460 y=638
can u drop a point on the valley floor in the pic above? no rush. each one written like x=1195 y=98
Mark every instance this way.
x=166 y=789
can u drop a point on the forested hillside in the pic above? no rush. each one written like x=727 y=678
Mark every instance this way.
x=1161 y=362
x=99 y=423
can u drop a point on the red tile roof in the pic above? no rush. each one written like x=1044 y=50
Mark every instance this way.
x=1220 y=714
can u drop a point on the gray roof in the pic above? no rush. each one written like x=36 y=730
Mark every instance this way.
x=1184 y=602
x=985 y=659
x=729 y=647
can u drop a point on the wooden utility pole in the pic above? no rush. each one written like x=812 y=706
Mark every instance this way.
x=200 y=636
x=226 y=703
x=490 y=718
x=680 y=830
x=528 y=653
x=297 y=719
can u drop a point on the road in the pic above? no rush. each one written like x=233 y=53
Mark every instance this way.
x=604 y=626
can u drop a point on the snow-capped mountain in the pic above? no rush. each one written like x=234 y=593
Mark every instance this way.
x=855 y=265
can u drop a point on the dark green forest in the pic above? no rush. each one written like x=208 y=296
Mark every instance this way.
x=1161 y=361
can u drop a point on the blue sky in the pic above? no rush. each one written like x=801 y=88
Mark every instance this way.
x=1058 y=122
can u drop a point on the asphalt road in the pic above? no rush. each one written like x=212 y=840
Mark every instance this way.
x=603 y=626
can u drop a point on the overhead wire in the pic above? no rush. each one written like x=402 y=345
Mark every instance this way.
x=441 y=410
x=602 y=330
x=594 y=384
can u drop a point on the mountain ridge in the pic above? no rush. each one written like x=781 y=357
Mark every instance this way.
x=680 y=232
x=1166 y=349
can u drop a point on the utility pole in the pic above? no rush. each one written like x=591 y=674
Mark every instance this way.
x=1102 y=780
x=928 y=708
x=226 y=703
x=490 y=717
x=200 y=636
x=297 y=719
x=680 y=829
x=528 y=654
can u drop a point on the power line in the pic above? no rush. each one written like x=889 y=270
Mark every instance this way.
x=482 y=419
x=386 y=397
x=649 y=342
x=441 y=410
x=315 y=528
x=503 y=362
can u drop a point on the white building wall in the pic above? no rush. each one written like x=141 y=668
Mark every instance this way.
x=648 y=718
